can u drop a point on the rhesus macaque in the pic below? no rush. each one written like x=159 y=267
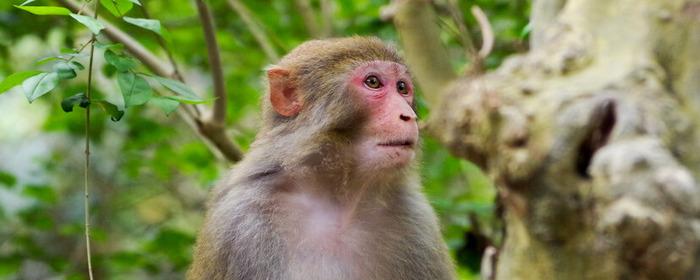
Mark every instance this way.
x=329 y=189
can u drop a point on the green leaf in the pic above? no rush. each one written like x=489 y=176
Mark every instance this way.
x=526 y=30
x=7 y=179
x=64 y=70
x=26 y=2
x=166 y=36
x=186 y=94
x=41 y=193
x=150 y=24
x=38 y=85
x=45 y=10
x=114 y=47
x=76 y=65
x=46 y=60
x=16 y=79
x=89 y=22
x=79 y=99
x=117 y=7
x=166 y=104
x=187 y=100
x=135 y=89
x=111 y=109
x=137 y=2
x=121 y=62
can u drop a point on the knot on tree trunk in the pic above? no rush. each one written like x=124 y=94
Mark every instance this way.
x=649 y=208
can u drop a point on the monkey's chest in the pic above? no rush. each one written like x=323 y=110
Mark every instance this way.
x=326 y=248
x=324 y=239
x=316 y=227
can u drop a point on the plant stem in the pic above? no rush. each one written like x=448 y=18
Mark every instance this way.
x=87 y=152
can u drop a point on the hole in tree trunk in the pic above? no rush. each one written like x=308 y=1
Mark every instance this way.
x=603 y=119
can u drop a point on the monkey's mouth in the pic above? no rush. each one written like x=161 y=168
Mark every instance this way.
x=407 y=143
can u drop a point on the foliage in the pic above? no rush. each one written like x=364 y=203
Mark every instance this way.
x=150 y=172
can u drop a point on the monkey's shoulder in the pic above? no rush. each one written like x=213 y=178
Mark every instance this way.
x=246 y=176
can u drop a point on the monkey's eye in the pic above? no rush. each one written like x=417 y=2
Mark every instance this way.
x=402 y=88
x=373 y=82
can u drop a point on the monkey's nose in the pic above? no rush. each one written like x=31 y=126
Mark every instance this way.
x=405 y=117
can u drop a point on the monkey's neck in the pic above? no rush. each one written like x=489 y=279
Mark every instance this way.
x=326 y=161
x=349 y=201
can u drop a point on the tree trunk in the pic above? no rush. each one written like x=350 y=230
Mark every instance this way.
x=591 y=137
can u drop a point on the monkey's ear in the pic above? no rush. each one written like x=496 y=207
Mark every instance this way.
x=283 y=95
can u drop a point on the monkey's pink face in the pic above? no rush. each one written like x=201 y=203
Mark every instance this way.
x=390 y=137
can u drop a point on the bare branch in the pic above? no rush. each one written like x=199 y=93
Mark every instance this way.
x=464 y=34
x=219 y=114
x=255 y=29
x=214 y=129
x=307 y=14
x=326 y=18
x=477 y=61
x=417 y=25
x=216 y=133
x=486 y=31
x=86 y=185
x=388 y=11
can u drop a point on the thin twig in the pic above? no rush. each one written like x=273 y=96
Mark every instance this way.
x=417 y=25
x=214 y=128
x=80 y=11
x=87 y=152
x=255 y=29
x=487 y=37
x=164 y=46
x=176 y=71
x=464 y=34
x=207 y=20
x=307 y=14
x=89 y=42
x=326 y=18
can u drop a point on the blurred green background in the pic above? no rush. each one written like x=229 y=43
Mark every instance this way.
x=151 y=173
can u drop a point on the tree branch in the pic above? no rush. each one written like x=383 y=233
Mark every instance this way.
x=417 y=25
x=487 y=37
x=214 y=133
x=307 y=14
x=214 y=128
x=544 y=13
x=255 y=29
x=219 y=114
x=464 y=34
x=326 y=18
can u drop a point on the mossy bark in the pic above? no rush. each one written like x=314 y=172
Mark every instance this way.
x=591 y=137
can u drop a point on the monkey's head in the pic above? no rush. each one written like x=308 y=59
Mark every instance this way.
x=354 y=92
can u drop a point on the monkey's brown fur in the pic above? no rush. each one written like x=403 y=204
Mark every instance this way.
x=249 y=233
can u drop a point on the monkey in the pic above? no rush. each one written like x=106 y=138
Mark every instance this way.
x=329 y=188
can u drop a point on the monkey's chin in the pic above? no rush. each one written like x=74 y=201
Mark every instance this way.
x=375 y=157
x=395 y=156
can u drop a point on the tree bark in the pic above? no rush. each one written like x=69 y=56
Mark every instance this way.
x=591 y=137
